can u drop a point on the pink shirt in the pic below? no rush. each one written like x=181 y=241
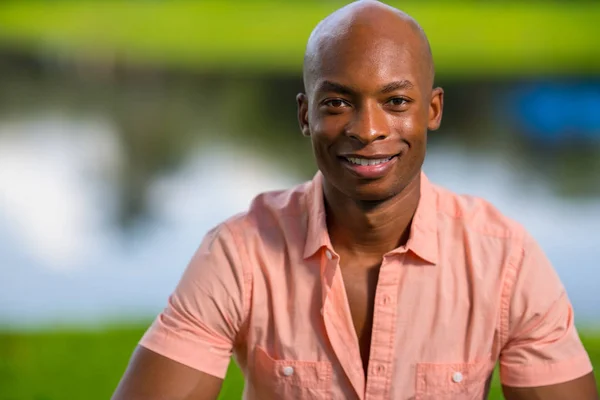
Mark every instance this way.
x=469 y=289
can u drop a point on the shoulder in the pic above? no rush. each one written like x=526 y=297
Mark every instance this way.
x=477 y=215
x=268 y=211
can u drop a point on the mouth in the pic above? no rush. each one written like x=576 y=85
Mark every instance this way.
x=368 y=161
x=369 y=167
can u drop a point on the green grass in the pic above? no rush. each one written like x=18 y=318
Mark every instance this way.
x=468 y=38
x=78 y=364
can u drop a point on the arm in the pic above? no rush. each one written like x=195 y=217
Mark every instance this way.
x=543 y=358
x=152 y=376
x=186 y=352
x=579 y=388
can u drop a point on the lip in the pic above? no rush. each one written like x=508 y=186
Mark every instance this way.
x=369 y=156
x=370 y=171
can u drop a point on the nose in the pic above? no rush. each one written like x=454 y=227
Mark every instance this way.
x=369 y=124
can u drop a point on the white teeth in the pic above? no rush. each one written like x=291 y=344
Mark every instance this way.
x=367 y=161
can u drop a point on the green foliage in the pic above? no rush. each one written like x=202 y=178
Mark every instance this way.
x=468 y=38
x=64 y=364
x=77 y=364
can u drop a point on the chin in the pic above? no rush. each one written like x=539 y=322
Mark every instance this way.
x=371 y=192
x=367 y=190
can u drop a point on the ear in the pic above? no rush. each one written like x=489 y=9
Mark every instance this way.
x=302 y=101
x=436 y=107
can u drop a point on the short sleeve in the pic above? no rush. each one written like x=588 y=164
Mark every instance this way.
x=543 y=346
x=203 y=316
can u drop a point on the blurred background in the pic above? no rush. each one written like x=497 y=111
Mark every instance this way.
x=130 y=128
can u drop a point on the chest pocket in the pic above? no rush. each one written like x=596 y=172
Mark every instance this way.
x=290 y=379
x=465 y=381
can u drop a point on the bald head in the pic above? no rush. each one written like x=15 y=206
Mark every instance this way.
x=368 y=76
x=363 y=25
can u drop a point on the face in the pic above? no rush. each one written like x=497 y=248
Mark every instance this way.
x=367 y=110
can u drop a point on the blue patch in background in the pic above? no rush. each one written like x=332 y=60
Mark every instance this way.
x=558 y=112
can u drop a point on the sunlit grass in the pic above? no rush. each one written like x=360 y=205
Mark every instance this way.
x=468 y=38
x=79 y=364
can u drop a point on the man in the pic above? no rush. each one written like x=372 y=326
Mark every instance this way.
x=368 y=282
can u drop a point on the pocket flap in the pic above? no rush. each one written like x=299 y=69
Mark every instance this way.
x=315 y=374
x=434 y=378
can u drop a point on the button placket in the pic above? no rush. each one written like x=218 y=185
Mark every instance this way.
x=338 y=325
x=386 y=299
x=384 y=328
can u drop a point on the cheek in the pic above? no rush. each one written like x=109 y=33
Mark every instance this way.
x=414 y=125
x=325 y=132
x=320 y=140
x=328 y=127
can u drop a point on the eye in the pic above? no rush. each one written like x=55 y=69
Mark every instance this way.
x=335 y=103
x=397 y=102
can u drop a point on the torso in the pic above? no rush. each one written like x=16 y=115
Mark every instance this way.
x=451 y=303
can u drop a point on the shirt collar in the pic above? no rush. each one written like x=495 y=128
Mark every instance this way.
x=317 y=236
x=423 y=238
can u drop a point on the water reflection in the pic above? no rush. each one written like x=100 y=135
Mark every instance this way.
x=53 y=172
x=106 y=188
x=62 y=257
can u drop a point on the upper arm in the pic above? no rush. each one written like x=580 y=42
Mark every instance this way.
x=543 y=351
x=583 y=388
x=195 y=334
x=152 y=376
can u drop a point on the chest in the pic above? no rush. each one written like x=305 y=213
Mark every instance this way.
x=430 y=313
x=407 y=318
x=360 y=284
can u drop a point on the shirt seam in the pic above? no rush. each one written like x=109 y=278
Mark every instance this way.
x=513 y=268
x=247 y=280
x=546 y=364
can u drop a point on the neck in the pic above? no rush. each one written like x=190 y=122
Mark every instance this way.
x=370 y=229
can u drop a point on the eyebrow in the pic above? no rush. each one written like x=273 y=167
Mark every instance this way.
x=329 y=86
x=398 y=85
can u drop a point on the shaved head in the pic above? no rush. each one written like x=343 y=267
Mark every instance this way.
x=364 y=23
x=369 y=95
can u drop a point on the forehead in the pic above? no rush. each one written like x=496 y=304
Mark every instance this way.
x=367 y=60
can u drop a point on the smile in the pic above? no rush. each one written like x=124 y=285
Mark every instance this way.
x=369 y=168
x=368 y=161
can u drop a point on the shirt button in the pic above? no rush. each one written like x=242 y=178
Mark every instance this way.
x=328 y=254
x=288 y=371
x=457 y=377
